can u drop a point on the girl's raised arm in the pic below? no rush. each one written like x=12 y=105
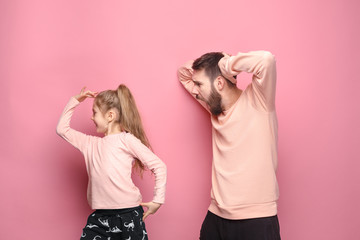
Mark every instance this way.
x=63 y=129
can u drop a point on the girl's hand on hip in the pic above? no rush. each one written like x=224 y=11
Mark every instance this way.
x=151 y=208
x=85 y=94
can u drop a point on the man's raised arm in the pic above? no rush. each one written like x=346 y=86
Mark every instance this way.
x=262 y=65
x=185 y=74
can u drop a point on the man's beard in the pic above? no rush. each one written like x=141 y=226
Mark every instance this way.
x=214 y=103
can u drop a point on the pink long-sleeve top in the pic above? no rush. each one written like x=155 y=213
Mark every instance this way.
x=244 y=141
x=109 y=164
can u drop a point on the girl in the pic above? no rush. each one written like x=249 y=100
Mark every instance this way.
x=109 y=161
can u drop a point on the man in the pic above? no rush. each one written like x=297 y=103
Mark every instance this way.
x=244 y=137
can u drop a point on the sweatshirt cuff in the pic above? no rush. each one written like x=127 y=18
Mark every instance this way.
x=74 y=100
x=157 y=200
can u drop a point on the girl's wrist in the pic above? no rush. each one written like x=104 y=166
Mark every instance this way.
x=79 y=98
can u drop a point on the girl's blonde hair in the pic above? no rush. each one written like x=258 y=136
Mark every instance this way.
x=129 y=119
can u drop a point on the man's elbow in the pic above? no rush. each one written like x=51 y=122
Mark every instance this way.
x=268 y=58
x=60 y=130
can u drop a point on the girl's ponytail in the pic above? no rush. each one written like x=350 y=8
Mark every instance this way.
x=130 y=120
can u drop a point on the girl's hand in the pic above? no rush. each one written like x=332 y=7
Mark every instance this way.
x=151 y=208
x=85 y=94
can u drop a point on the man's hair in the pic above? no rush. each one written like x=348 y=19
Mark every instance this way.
x=209 y=62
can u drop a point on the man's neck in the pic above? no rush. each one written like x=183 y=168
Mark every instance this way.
x=230 y=97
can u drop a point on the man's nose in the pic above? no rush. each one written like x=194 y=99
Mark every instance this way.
x=195 y=90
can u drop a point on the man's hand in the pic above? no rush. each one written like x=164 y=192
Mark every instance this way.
x=223 y=66
x=151 y=208
x=85 y=94
x=225 y=54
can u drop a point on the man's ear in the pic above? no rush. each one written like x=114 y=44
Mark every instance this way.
x=219 y=83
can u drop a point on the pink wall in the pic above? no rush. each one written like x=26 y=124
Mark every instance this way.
x=50 y=49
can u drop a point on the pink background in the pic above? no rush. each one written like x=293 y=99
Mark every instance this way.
x=50 y=49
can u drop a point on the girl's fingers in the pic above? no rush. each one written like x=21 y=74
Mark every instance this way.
x=146 y=214
x=82 y=90
x=144 y=205
x=90 y=94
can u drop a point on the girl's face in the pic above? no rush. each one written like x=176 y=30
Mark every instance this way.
x=99 y=119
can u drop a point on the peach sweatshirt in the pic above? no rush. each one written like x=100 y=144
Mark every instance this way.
x=244 y=140
x=109 y=164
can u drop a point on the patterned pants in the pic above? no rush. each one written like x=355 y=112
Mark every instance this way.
x=117 y=224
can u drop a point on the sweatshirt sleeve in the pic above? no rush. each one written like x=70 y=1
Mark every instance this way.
x=77 y=139
x=152 y=162
x=262 y=65
x=185 y=73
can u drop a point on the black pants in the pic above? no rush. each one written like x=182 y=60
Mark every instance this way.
x=117 y=224
x=217 y=228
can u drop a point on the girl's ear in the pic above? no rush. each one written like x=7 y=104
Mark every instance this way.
x=111 y=115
